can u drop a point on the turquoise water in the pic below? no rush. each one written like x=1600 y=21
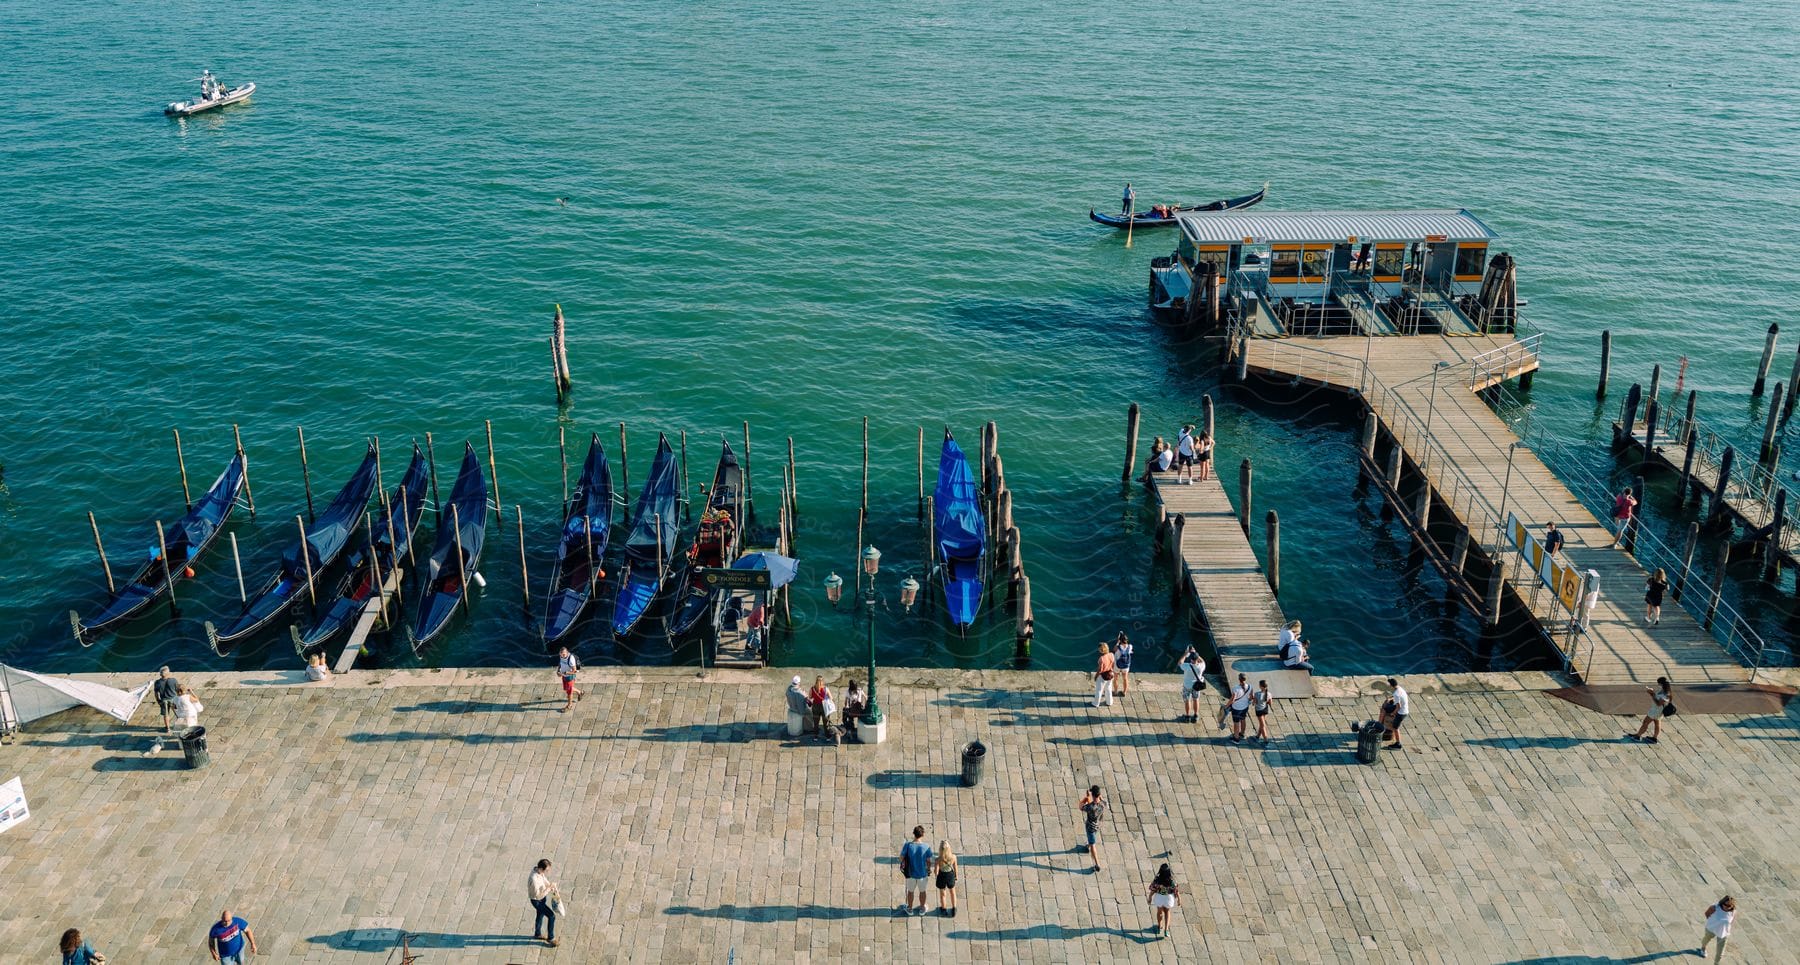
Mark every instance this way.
x=798 y=214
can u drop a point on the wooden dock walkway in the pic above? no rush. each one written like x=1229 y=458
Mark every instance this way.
x=1228 y=585
x=1455 y=440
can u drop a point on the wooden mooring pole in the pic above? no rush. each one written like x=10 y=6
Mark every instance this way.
x=1605 y=362
x=169 y=571
x=559 y=348
x=1772 y=548
x=100 y=548
x=1628 y=419
x=1273 y=523
x=238 y=441
x=1687 y=559
x=1655 y=382
x=1243 y=497
x=1686 y=481
x=1770 y=424
x=921 y=472
x=237 y=565
x=181 y=461
x=749 y=487
x=1650 y=414
x=524 y=571
x=1206 y=414
x=1496 y=579
x=437 y=507
x=494 y=475
x=625 y=469
x=1787 y=408
x=1687 y=420
x=1177 y=563
x=1762 y=368
x=562 y=456
x=1131 y=441
x=1716 y=512
x=1718 y=582
x=305 y=472
x=793 y=493
x=686 y=497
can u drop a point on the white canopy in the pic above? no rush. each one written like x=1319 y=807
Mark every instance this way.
x=26 y=696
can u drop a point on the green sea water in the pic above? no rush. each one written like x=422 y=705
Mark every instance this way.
x=799 y=214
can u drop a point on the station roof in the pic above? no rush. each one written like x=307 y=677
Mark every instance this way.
x=1276 y=227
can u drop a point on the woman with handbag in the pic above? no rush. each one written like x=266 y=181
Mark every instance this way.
x=1103 y=678
x=1662 y=704
x=76 y=951
x=819 y=699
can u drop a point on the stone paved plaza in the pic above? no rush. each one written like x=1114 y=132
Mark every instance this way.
x=686 y=826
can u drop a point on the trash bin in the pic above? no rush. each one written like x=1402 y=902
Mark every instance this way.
x=193 y=747
x=1368 y=741
x=974 y=761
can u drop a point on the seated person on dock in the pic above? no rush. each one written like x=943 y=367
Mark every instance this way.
x=1161 y=458
x=1292 y=650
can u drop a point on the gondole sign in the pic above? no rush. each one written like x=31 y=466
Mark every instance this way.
x=725 y=578
x=1562 y=579
x=13 y=809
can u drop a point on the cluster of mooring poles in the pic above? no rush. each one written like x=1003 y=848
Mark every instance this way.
x=1708 y=467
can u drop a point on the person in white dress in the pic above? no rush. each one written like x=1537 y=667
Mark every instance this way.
x=189 y=707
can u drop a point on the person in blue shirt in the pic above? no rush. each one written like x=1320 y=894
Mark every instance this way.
x=1127 y=200
x=915 y=866
x=225 y=941
x=77 y=951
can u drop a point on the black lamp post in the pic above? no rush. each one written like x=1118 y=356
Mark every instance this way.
x=871 y=564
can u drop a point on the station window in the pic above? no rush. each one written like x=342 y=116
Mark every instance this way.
x=1214 y=255
x=1284 y=268
x=1389 y=261
x=1470 y=260
x=1315 y=263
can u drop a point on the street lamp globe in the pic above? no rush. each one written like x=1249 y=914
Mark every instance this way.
x=909 y=593
x=871 y=560
x=834 y=588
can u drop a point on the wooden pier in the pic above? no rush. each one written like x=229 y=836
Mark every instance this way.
x=1227 y=584
x=1752 y=493
x=1422 y=390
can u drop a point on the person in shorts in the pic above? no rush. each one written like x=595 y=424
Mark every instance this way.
x=1240 y=708
x=1193 y=684
x=1185 y=455
x=168 y=691
x=945 y=866
x=1122 y=662
x=1262 y=701
x=916 y=858
x=1394 y=712
x=567 y=666
x=1093 y=808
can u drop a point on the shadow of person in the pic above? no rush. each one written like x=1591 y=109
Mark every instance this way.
x=379 y=939
x=1052 y=932
x=780 y=913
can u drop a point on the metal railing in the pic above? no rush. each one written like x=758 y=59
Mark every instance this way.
x=1708 y=607
x=1498 y=365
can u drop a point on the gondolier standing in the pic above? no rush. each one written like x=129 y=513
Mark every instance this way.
x=1128 y=200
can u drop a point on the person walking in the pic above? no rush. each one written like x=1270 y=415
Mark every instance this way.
x=1122 y=662
x=189 y=707
x=1103 y=677
x=916 y=859
x=1240 y=708
x=1262 y=701
x=945 y=866
x=1623 y=509
x=567 y=667
x=228 y=938
x=76 y=950
x=542 y=892
x=1654 y=589
x=1193 y=684
x=1662 y=704
x=1093 y=809
x=168 y=693
x=1185 y=455
x=1553 y=538
x=1164 y=896
x=1394 y=711
x=1718 y=926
